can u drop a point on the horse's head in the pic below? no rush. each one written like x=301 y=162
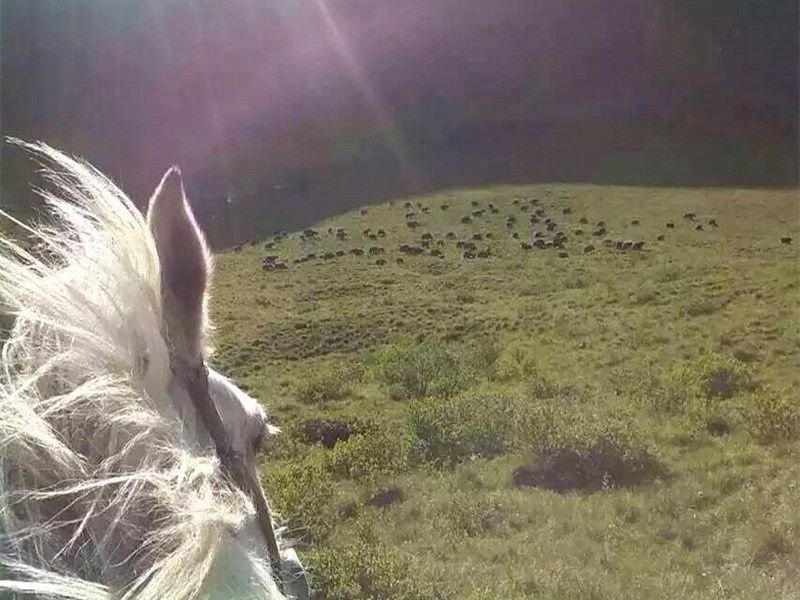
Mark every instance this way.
x=186 y=265
x=186 y=269
x=124 y=461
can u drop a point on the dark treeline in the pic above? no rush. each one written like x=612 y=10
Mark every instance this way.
x=298 y=109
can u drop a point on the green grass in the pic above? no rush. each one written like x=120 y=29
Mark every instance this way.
x=682 y=355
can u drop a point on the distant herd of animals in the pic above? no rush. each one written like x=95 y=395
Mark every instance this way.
x=544 y=234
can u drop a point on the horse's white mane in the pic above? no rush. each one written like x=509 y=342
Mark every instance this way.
x=101 y=493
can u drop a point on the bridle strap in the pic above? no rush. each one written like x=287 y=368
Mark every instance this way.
x=196 y=381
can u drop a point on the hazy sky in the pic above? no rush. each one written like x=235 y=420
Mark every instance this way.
x=137 y=84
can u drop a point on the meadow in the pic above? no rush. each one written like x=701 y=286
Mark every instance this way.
x=592 y=419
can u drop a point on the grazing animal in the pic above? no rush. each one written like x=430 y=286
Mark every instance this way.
x=409 y=249
x=786 y=240
x=128 y=466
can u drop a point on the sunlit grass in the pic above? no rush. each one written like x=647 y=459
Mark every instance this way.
x=647 y=344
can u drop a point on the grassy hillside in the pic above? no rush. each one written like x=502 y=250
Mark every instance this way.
x=650 y=394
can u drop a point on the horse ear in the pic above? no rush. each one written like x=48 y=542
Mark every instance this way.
x=185 y=266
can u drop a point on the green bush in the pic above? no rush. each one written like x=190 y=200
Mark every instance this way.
x=647 y=386
x=714 y=376
x=586 y=450
x=445 y=432
x=286 y=445
x=774 y=417
x=466 y=514
x=696 y=389
x=367 y=455
x=514 y=363
x=324 y=386
x=481 y=356
x=426 y=368
x=363 y=569
x=302 y=494
x=551 y=425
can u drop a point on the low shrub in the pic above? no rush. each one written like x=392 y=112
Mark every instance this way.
x=302 y=493
x=446 y=432
x=466 y=514
x=323 y=386
x=425 y=368
x=585 y=450
x=773 y=417
x=696 y=389
x=363 y=569
x=481 y=356
x=514 y=363
x=369 y=454
x=715 y=376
